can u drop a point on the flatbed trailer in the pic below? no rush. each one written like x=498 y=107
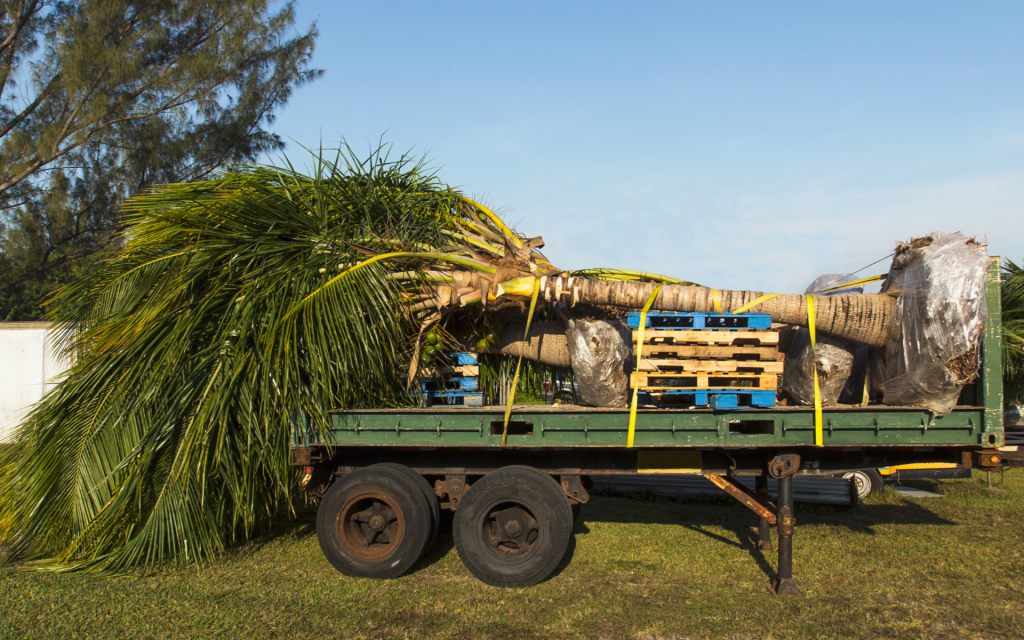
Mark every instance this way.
x=383 y=475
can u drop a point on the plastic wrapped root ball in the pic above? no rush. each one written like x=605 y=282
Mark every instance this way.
x=940 y=283
x=833 y=357
x=600 y=353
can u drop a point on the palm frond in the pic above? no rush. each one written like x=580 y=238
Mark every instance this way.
x=1013 y=332
x=197 y=341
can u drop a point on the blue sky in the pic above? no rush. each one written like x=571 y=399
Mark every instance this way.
x=739 y=145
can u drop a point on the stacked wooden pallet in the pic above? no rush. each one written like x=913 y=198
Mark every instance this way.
x=722 y=361
x=453 y=379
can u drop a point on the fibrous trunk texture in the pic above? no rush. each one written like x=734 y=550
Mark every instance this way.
x=547 y=343
x=862 y=318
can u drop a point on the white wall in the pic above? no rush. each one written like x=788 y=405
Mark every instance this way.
x=28 y=368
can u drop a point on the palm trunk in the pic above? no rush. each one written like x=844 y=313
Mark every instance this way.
x=547 y=343
x=862 y=318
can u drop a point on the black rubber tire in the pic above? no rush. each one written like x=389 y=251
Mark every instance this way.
x=527 y=488
x=374 y=483
x=428 y=494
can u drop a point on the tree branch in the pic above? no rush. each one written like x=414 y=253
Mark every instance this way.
x=47 y=266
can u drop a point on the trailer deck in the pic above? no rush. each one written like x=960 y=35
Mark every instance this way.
x=382 y=472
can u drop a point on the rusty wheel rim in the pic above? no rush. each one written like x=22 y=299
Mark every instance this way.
x=371 y=526
x=510 y=529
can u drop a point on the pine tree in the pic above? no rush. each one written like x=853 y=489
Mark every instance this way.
x=99 y=100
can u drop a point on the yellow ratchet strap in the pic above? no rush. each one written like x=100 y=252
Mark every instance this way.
x=639 y=356
x=757 y=301
x=716 y=300
x=515 y=378
x=818 y=436
x=817 y=391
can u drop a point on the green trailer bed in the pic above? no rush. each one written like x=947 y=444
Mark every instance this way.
x=536 y=426
x=366 y=464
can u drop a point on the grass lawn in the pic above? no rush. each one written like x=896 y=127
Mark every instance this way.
x=657 y=569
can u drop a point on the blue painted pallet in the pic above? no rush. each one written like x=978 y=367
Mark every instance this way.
x=714 y=398
x=687 y=320
x=432 y=398
x=454 y=383
x=461 y=357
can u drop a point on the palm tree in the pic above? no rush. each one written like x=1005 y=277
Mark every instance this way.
x=1013 y=332
x=235 y=301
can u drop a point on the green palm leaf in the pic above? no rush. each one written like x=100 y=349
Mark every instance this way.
x=1013 y=331
x=196 y=342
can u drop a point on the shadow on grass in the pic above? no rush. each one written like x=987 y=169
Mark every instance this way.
x=694 y=511
x=285 y=526
x=706 y=514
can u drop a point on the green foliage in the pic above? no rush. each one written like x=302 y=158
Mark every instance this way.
x=1013 y=332
x=195 y=343
x=98 y=100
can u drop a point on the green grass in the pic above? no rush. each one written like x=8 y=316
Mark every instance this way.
x=652 y=569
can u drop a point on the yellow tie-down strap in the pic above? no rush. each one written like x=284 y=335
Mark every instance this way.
x=810 y=326
x=515 y=378
x=814 y=367
x=716 y=301
x=639 y=355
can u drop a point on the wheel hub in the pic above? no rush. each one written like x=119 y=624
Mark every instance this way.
x=512 y=530
x=370 y=526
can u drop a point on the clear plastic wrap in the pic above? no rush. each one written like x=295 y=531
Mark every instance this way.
x=940 y=283
x=834 y=360
x=833 y=357
x=599 y=351
x=834 y=280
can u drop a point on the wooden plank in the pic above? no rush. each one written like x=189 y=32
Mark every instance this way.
x=711 y=366
x=706 y=352
x=709 y=336
x=462 y=370
x=687 y=380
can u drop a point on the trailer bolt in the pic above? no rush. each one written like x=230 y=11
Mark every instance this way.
x=512 y=527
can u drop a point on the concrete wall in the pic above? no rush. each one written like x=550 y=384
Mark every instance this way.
x=28 y=368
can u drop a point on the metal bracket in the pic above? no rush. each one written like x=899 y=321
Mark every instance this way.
x=784 y=464
x=456 y=488
x=573 y=488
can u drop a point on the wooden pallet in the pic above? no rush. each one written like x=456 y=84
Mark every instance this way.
x=434 y=371
x=447 y=385
x=668 y=365
x=694 y=320
x=706 y=352
x=719 y=399
x=673 y=381
x=708 y=337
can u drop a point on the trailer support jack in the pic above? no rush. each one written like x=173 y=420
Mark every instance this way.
x=764 y=531
x=784 y=585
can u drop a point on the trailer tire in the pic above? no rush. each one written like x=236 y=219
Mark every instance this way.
x=866 y=482
x=373 y=523
x=428 y=495
x=513 y=527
